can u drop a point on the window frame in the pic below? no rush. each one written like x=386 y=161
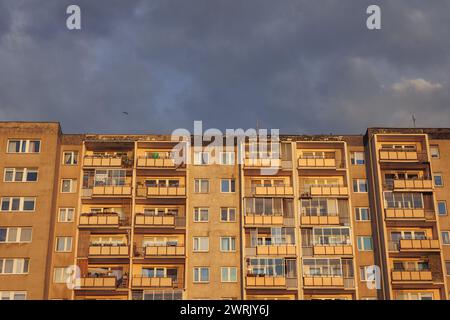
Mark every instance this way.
x=25 y=172
x=229 y=273
x=14 y=266
x=358 y=214
x=360 y=243
x=354 y=159
x=73 y=185
x=65 y=249
x=447 y=237
x=440 y=175
x=74 y=155
x=231 y=185
x=196 y=244
x=198 y=275
x=230 y=158
x=18 y=235
x=228 y=209
x=21 y=204
x=438 y=154
x=231 y=244
x=199 y=182
x=358 y=184
x=445 y=207
x=24 y=144
x=66 y=209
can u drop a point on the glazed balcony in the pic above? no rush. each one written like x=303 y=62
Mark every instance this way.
x=414 y=245
x=109 y=250
x=139 y=281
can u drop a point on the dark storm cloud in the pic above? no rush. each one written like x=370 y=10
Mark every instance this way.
x=301 y=66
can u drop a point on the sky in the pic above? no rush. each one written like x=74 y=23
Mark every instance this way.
x=301 y=66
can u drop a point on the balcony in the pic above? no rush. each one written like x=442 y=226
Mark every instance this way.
x=319 y=163
x=99 y=220
x=323 y=281
x=401 y=155
x=409 y=214
x=325 y=190
x=412 y=276
x=144 y=220
x=171 y=191
x=120 y=191
x=265 y=281
x=263 y=220
x=276 y=250
x=146 y=162
x=102 y=283
x=414 y=245
x=260 y=163
x=103 y=161
x=139 y=281
x=319 y=220
x=333 y=250
x=164 y=251
x=109 y=250
x=409 y=184
x=278 y=190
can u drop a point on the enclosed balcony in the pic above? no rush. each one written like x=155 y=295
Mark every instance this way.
x=157 y=277
x=107 y=183
x=408 y=206
x=271 y=273
x=160 y=246
x=270 y=241
x=328 y=273
x=413 y=241
x=327 y=241
x=268 y=211
x=324 y=211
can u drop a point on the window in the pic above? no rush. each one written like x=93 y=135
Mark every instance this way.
x=66 y=214
x=18 y=204
x=403 y=200
x=357 y=158
x=24 y=146
x=227 y=185
x=447 y=267
x=228 y=214
x=201 y=244
x=201 y=274
x=70 y=158
x=14 y=265
x=201 y=158
x=63 y=244
x=13 y=295
x=438 y=181
x=15 y=235
x=445 y=237
x=360 y=185
x=60 y=275
x=117 y=177
x=201 y=186
x=228 y=274
x=227 y=158
x=20 y=175
x=365 y=244
x=442 y=207
x=434 y=150
x=364 y=274
x=68 y=185
x=227 y=244
x=201 y=214
x=362 y=214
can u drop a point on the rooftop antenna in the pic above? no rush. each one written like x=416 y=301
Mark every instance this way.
x=413 y=119
x=257 y=125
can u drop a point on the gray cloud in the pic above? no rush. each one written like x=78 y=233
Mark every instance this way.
x=297 y=65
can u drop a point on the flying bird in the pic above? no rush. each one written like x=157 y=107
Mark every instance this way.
x=124 y=112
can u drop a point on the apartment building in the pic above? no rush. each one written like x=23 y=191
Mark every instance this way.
x=90 y=216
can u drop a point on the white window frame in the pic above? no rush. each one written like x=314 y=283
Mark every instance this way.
x=64 y=212
x=363 y=248
x=358 y=183
x=74 y=158
x=229 y=180
x=198 y=214
x=442 y=180
x=436 y=155
x=227 y=158
x=228 y=210
x=198 y=275
x=231 y=244
x=24 y=144
x=363 y=274
x=67 y=243
x=199 y=182
x=21 y=204
x=25 y=172
x=445 y=207
x=200 y=244
x=448 y=237
x=358 y=214
x=202 y=158
x=356 y=156
x=18 y=235
x=16 y=265
x=228 y=271
x=73 y=185
x=11 y=295
x=60 y=275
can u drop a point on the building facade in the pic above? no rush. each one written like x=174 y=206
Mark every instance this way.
x=90 y=216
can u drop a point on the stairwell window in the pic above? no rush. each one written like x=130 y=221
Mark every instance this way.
x=362 y=214
x=70 y=158
x=357 y=158
x=227 y=244
x=63 y=244
x=228 y=274
x=360 y=185
x=21 y=175
x=66 y=214
x=68 y=185
x=365 y=243
x=201 y=186
x=445 y=235
x=201 y=274
x=60 y=275
x=227 y=185
x=442 y=207
x=24 y=146
x=438 y=180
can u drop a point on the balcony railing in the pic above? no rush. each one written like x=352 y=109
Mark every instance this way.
x=409 y=214
x=259 y=162
x=160 y=191
x=109 y=250
x=276 y=250
x=320 y=220
x=414 y=245
x=104 y=219
x=104 y=161
x=272 y=190
x=265 y=281
x=319 y=162
x=324 y=190
x=337 y=249
x=408 y=184
x=412 y=275
x=122 y=190
x=139 y=281
x=102 y=282
x=155 y=162
x=257 y=219
x=398 y=155
x=323 y=281
x=162 y=251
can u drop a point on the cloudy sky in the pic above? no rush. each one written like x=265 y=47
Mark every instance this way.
x=301 y=66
